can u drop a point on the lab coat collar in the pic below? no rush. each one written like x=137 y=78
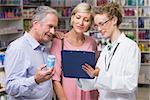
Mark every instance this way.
x=110 y=46
x=121 y=38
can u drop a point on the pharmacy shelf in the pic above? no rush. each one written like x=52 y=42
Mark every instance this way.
x=138 y=16
x=145 y=64
x=2 y=91
x=127 y=6
x=2 y=49
x=15 y=18
x=30 y=6
x=144 y=28
x=61 y=6
x=144 y=40
x=26 y=18
x=9 y=33
x=144 y=16
x=143 y=6
x=146 y=52
x=64 y=17
x=1 y=67
x=126 y=28
x=144 y=83
x=129 y=16
x=9 y=5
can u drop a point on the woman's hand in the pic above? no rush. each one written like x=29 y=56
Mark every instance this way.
x=59 y=35
x=90 y=71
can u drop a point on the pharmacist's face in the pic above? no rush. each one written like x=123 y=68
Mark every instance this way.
x=104 y=25
x=47 y=28
x=81 y=22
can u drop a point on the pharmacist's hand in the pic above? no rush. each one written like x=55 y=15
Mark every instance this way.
x=90 y=71
x=59 y=35
x=43 y=74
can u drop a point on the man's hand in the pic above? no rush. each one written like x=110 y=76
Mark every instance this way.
x=90 y=71
x=43 y=74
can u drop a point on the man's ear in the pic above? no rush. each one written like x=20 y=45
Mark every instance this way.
x=35 y=24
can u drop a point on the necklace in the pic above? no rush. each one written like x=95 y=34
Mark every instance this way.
x=76 y=41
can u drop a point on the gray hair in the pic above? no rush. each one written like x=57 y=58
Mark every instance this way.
x=41 y=12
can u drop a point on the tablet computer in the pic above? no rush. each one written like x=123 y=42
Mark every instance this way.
x=72 y=62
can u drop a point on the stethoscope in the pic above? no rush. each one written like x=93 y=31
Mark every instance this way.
x=107 y=67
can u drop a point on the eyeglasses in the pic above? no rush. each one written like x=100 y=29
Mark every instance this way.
x=108 y=65
x=102 y=24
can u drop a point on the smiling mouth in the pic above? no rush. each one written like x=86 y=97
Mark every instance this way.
x=80 y=27
x=49 y=35
x=103 y=31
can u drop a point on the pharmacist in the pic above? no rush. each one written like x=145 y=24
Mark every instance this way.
x=117 y=69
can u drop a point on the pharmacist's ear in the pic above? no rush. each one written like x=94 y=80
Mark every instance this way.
x=115 y=20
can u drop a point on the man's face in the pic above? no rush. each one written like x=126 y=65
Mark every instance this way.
x=47 y=28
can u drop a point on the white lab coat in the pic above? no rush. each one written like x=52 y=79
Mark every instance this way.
x=121 y=79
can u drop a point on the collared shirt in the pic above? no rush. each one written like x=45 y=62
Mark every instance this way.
x=22 y=59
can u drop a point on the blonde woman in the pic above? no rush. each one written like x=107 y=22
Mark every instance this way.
x=117 y=69
x=81 y=21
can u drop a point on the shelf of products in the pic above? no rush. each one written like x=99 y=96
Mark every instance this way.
x=28 y=8
x=64 y=14
x=11 y=27
x=2 y=94
x=136 y=24
x=15 y=17
x=11 y=23
x=2 y=80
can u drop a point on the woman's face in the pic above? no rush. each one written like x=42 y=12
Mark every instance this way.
x=104 y=25
x=81 y=22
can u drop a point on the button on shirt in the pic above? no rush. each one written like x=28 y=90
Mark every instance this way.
x=23 y=57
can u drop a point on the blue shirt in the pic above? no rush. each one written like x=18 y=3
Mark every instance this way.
x=23 y=57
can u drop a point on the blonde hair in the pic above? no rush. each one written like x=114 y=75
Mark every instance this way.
x=83 y=8
x=111 y=9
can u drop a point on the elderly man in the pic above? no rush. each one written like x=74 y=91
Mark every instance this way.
x=25 y=64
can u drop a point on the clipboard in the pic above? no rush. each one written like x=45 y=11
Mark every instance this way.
x=72 y=62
